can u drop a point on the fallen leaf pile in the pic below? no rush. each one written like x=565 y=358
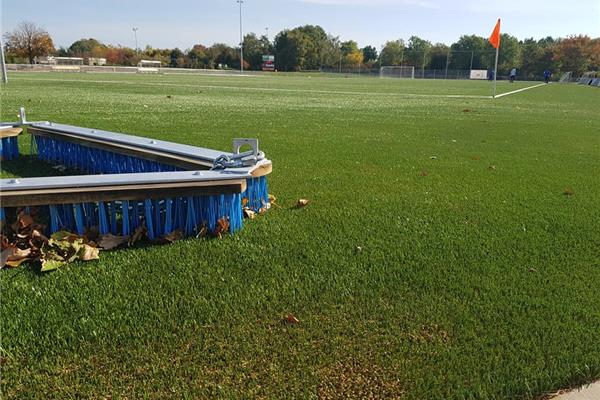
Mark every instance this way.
x=24 y=240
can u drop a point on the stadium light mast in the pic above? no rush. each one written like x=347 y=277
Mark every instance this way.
x=240 y=2
x=4 y=77
x=135 y=35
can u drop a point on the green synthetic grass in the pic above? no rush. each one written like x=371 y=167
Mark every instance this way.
x=439 y=257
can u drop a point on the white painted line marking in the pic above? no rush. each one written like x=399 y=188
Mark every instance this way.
x=449 y=96
x=520 y=90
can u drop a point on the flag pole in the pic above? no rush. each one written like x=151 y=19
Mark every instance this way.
x=496 y=71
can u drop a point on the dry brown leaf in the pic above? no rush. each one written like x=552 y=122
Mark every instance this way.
x=173 y=236
x=492 y=167
x=4 y=244
x=16 y=263
x=248 y=213
x=6 y=253
x=568 y=192
x=291 y=319
x=262 y=210
x=110 y=241
x=273 y=201
x=222 y=227
x=302 y=203
x=139 y=233
x=19 y=254
x=244 y=202
x=25 y=220
x=202 y=231
x=88 y=252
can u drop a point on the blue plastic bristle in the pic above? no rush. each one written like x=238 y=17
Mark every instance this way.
x=148 y=219
x=159 y=216
x=9 y=148
x=168 y=216
x=54 y=219
x=257 y=193
x=102 y=219
x=125 y=217
x=79 y=218
x=95 y=161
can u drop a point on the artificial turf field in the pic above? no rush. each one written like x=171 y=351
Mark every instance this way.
x=450 y=250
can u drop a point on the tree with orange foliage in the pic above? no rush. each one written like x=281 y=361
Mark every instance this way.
x=573 y=54
x=29 y=41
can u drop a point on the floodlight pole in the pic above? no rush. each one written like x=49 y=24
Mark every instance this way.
x=136 y=42
x=240 y=2
x=3 y=62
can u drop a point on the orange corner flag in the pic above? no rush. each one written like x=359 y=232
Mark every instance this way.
x=495 y=36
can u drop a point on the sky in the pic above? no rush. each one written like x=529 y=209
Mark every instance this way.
x=183 y=23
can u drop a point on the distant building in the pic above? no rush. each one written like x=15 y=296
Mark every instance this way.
x=96 y=61
x=51 y=60
x=149 y=64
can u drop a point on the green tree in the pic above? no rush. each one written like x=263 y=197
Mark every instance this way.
x=510 y=53
x=471 y=51
x=538 y=57
x=85 y=47
x=220 y=53
x=416 y=52
x=197 y=57
x=254 y=49
x=300 y=48
x=176 y=58
x=331 y=52
x=437 y=55
x=392 y=52
x=349 y=47
x=369 y=53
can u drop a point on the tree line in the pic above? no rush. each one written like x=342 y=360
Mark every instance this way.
x=309 y=47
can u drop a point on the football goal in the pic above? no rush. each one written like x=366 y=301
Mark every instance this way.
x=406 y=72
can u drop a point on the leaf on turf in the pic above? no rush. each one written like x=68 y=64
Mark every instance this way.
x=25 y=220
x=202 y=231
x=248 y=213
x=492 y=167
x=50 y=265
x=110 y=241
x=221 y=228
x=173 y=236
x=4 y=243
x=273 y=201
x=88 y=252
x=423 y=173
x=6 y=253
x=16 y=263
x=291 y=319
x=568 y=191
x=302 y=203
x=139 y=233
x=62 y=235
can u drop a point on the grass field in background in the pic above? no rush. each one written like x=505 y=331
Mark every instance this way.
x=439 y=257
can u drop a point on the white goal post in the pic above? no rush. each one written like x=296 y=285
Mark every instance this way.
x=406 y=72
